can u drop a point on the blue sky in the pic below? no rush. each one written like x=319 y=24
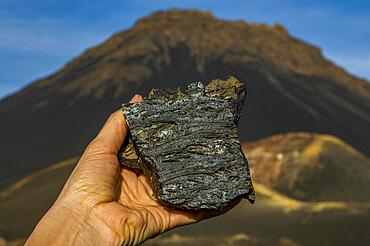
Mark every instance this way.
x=38 y=36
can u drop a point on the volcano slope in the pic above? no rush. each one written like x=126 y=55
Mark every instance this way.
x=310 y=167
x=291 y=86
x=275 y=218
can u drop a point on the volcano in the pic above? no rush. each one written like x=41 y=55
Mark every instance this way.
x=290 y=86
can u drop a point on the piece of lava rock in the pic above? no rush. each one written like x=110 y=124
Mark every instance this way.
x=188 y=144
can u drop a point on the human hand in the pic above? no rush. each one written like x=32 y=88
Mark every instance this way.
x=103 y=203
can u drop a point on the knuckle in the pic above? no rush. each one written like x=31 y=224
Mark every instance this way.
x=98 y=146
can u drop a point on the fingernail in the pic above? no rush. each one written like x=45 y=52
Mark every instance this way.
x=136 y=98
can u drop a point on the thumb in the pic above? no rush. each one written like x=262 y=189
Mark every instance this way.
x=110 y=138
x=99 y=163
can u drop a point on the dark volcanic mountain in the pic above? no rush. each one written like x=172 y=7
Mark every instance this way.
x=291 y=87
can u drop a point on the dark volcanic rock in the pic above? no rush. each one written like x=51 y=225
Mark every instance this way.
x=188 y=144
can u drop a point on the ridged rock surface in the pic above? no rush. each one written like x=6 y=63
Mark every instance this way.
x=187 y=142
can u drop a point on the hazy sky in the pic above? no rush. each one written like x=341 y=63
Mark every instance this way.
x=38 y=36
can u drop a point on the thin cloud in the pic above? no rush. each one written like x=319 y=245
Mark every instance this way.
x=46 y=36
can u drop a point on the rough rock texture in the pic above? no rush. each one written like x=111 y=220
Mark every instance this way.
x=187 y=142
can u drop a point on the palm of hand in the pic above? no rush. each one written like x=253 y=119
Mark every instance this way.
x=121 y=198
x=147 y=217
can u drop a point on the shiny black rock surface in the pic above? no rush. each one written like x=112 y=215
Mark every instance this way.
x=187 y=142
